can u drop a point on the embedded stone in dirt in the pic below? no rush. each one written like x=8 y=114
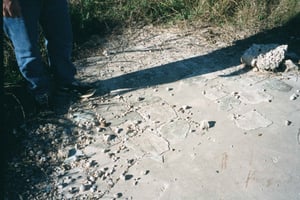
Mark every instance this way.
x=252 y=120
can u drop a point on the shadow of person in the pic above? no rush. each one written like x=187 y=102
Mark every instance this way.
x=214 y=61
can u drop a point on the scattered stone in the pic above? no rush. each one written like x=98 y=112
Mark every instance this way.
x=293 y=97
x=169 y=89
x=73 y=155
x=90 y=163
x=109 y=137
x=204 y=125
x=118 y=130
x=118 y=195
x=60 y=186
x=275 y=160
x=135 y=182
x=290 y=66
x=287 y=122
x=110 y=183
x=73 y=190
x=130 y=162
x=186 y=107
x=141 y=98
x=105 y=150
x=145 y=172
x=91 y=178
x=103 y=123
x=83 y=188
x=93 y=188
x=123 y=177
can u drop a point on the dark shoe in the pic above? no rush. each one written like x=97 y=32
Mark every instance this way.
x=83 y=90
x=42 y=102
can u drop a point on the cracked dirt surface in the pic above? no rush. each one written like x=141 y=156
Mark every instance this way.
x=175 y=116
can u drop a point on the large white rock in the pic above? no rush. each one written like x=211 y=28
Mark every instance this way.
x=264 y=56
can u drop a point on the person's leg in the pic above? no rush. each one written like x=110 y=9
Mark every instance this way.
x=23 y=32
x=56 y=25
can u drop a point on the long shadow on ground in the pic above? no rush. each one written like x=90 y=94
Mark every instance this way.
x=217 y=60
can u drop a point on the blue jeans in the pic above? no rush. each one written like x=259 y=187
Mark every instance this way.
x=53 y=17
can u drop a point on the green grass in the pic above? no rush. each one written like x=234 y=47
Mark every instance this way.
x=103 y=16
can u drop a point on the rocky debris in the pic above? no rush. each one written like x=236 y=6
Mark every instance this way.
x=294 y=96
x=204 y=125
x=265 y=57
x=287 y=122
x=74 y=155
x=290 y=66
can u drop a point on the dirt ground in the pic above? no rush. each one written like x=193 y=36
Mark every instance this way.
x=175 y=116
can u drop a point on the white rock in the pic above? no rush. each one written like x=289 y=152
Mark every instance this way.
x=82 y=188
x=293 y=97
x=264 y=56
x=290 y=66
x=186 y=107
x=287 y=122
x=72 y=190
x=204 y=125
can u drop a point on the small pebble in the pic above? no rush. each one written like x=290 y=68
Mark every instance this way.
x=118 y=195
x=204 y=125
x=60 y=186
x=135 y=182
x=93 y=188
x=72 y=190
x=234 y=93
x=91 y=178
x=118 y=130
x=140 y=98
x=123 y=177
x=105 y=150
x=145 y=172
x=287 y=122
x=293 y=97
x=186 y=107
x=82 y=188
